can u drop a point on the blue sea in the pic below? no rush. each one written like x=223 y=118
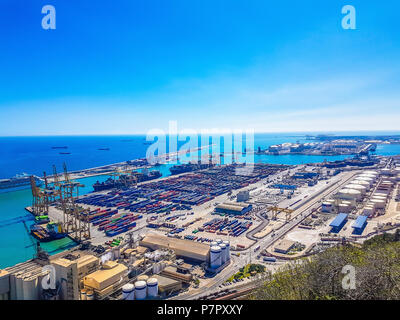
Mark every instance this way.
x=34 y=155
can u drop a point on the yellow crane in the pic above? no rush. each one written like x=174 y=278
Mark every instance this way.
x=275 y=210
x=40 y=205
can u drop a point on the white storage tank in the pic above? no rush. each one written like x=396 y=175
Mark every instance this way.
x=89 y=295
x=223 y=252
x=215 y=257
x=349 y=194
x=379 y=204
x=358 y=187
x=344 y=208
x=369 y=210
x=213 y=243
x=327 y=207
x=365 y=179
x=366 y=184
x=371 y=176
x=140 y=290
x=228 y=249
x=83 y=294
x=142 y=277
x=152 y=288
x=128 y=292
x=379 y=198
x=30 y=288
x=218 y=241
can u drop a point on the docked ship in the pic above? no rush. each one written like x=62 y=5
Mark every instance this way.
x=126 y=180
x=52 y=231
x=188 y=167
x=19 y=182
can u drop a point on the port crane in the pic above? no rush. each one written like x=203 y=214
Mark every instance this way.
x=40 y=205
x=128 y=177
x=276 y=210
x=75 y=219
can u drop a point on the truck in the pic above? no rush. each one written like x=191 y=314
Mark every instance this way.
x=269 y=259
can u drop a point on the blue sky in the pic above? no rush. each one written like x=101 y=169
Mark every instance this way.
x=128 y=66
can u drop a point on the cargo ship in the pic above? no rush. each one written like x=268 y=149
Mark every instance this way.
x=126 y=180
x=52 y=231
x=19 y=182
x=182 y=168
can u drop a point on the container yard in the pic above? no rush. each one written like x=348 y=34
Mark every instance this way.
x=186 y=233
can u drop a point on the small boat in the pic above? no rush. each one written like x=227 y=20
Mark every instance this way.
x=104 y=149
x=64 y=152
x=64 y=147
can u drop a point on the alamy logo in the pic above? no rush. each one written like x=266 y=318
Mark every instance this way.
x=49 y=20
x=49 y=281
x=349 y=280
x=349 y=20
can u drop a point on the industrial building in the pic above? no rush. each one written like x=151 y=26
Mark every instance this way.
x=106 y=280
x=4 y=285
x=339 y=222
x=23 y=281
x=360 y=224
x=186 y=249
x=234 y=208
x=284 y=246
x=70 y=270
x=243 y=196
x=166 y=286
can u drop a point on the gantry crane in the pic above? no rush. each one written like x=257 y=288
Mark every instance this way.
x=125 y=177
x=276 y=210
x=40 y=205
x=75 y=219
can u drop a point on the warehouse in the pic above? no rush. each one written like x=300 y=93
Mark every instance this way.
x=338 y=223
x=234 y=208
x=107 y=279
x=284 y=246
x=166 y=286
x=190 y=250
x=360 y=224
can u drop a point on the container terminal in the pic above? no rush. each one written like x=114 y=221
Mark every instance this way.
x=185 y=236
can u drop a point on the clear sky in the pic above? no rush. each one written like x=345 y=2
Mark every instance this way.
x=128 y=66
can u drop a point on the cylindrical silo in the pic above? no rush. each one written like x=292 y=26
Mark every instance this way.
x=83 y=294
x=128 y=292
x=140 y=290
x=369 y=210
x=364 y=183
x=358 y=187
x=218 y=241
x=30 y=288
x=152 y=287
x=215 y=257
x=89 y=295
x=142 y=277
x=223 y=252
x=228 y=249
x=327 y=206
x=344 y=208
x=213 y=243
x=349 y=194
x=379 y=204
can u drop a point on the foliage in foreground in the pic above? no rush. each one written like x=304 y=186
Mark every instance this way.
x=376 y=263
